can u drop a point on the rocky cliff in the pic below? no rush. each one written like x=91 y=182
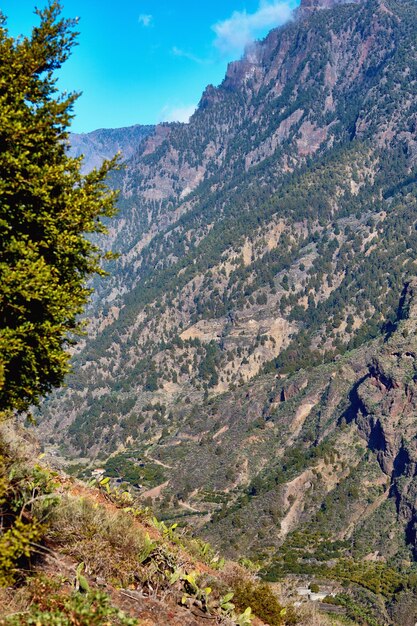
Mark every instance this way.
x=387 y=413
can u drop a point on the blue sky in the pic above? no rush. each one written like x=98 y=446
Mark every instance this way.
x=147 y=61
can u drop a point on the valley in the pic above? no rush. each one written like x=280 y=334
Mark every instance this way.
x=249 y=366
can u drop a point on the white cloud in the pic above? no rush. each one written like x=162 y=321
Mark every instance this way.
x=177 y=113
x=234 y=33
x=145 y=20
x=177 y=52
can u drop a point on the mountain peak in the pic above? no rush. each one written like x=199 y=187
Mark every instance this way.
x=307 y=6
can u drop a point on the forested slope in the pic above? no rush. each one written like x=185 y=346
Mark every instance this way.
x=265 y=249
x=275 y=228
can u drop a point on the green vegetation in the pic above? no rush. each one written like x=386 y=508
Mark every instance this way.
x=263 y=602
x=47 y=208
x=49 y=605
x=355 y=611
x=27 y=497
x=132 y=469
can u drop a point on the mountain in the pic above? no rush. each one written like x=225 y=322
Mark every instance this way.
x=246 y=362
x=103 y=144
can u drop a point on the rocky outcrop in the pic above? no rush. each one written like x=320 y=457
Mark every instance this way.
x=291 y=390
x=387 y=414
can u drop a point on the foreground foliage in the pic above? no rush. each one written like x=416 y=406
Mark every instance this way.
x=27 y=497
x=83 y=535
x=53 y=607
x=46 y=208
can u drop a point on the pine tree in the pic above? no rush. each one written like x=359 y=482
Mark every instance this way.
x=47 y=212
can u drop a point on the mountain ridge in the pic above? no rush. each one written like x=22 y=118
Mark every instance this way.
x=132 y=256
x=104 y=143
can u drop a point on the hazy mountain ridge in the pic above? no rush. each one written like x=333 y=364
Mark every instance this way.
x=104 y=143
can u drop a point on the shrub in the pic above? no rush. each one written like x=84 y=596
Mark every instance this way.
x=57 y=608
x=26 y=499
x=263 y=602
x=107 y=542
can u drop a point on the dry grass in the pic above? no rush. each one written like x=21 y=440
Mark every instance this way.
x=11 y=601
x=109 y=543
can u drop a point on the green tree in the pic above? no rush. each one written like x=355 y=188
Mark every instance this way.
x=48 y=212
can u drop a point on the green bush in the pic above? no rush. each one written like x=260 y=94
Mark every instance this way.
x=53 y=608
x=263 y=602
x=26 y=500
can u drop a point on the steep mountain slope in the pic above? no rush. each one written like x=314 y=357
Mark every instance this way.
x=329 y=451
x=229 y=361
x=92 y=556
x=239 y=248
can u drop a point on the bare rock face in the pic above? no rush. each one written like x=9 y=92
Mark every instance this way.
x=291 y=390
x=387 y=413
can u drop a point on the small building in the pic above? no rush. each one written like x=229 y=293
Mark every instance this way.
x=98 y=473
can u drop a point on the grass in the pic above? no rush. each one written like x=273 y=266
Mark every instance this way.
x=47 y=602
x=107 y=541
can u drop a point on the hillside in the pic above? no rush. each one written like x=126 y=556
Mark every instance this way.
x=245 y=367
x=86 y=556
